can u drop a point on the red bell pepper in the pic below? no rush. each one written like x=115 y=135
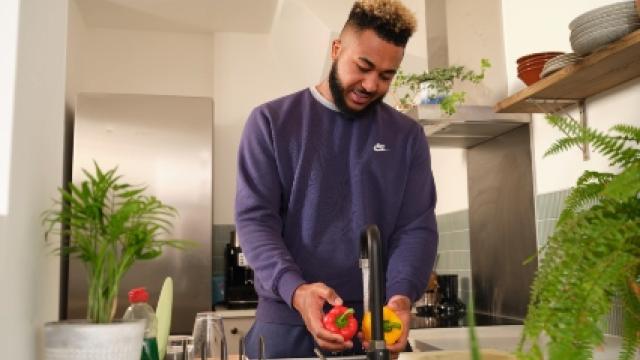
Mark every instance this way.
x=340 y=320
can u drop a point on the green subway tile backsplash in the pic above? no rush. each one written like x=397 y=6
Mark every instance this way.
x=453 y=249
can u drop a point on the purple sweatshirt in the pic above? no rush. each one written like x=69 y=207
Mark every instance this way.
x=310 y=179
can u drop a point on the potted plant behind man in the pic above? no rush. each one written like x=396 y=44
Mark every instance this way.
x=110 y=225
x=593 y=255
x=434 y=87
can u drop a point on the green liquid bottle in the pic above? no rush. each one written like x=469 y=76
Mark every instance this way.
x=150 y=349
x=140 y=310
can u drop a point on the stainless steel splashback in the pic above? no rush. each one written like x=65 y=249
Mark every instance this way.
x=502 y=223
x=165 y=142
x=471 y=125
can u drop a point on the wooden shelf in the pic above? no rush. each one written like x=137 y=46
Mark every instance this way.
x=600 y=71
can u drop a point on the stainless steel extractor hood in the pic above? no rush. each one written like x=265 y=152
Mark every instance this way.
x=468 y=127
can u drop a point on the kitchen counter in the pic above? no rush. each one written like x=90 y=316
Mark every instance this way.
x=234 y=313
x=501 y=337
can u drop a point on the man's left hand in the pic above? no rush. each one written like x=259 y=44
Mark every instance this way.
x=401 y=305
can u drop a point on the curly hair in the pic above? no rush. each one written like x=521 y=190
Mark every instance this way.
x=389 y=19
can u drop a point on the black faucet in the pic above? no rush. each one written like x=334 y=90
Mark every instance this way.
x=371 y=256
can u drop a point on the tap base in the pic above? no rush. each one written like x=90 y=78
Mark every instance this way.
x=380 y=354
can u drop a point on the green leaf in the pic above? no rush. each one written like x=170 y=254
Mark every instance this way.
x=626 y=185
x=592 y=254
x=111 y=224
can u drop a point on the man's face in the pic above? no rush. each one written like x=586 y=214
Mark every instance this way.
x=362 y=70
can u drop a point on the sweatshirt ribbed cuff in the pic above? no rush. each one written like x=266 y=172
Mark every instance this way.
x=288 y=283
x=403 y=288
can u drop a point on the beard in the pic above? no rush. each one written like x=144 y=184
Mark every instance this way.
x=338 y=94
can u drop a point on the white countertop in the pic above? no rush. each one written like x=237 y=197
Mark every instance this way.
x=235 y=313
x=501 y=337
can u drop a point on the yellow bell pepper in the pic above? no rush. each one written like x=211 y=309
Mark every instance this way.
x=391 y=324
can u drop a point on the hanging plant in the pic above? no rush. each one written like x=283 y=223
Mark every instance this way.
x=435 y=86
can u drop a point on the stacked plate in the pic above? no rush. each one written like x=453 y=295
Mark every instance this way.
x=598 y=27
x=558 y=63
x=530 y=66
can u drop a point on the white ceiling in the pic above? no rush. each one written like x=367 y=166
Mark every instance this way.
x=199 y=16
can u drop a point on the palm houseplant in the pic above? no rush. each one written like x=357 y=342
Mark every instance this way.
x=110 y=225
x=434 y=86
x=593 y=256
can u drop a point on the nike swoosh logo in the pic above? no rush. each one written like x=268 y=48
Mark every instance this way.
x=380 y=147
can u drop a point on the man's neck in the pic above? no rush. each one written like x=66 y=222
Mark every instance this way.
x=323 y=89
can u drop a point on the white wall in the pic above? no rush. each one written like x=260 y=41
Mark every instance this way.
x=76 y=40
x=449 y=167
x=30 y=273
x=301 y=44
x=147 y=62
x=618 y=105
x=247 y=74
x=474 y=31
x=254 y=68
x=8 y=47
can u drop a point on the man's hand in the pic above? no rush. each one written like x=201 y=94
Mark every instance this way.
x=309 y=299
x=401 y=305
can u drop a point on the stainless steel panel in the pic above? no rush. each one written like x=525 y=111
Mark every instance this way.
x=165 y=142
x=502 y=223
x=471 y=125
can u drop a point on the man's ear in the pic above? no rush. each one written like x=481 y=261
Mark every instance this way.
x=336 y=45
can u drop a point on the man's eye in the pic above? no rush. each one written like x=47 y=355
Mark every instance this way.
x=362 y=68
x=386 y=77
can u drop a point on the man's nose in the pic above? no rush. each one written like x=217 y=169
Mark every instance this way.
x=370 y=83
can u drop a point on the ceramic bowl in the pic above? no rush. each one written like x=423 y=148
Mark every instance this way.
x=624 y=6
x=589 y=42
x=551 y=67
x=610 y=33
x=526 y=68
x=561 y=61
x=531 y=64
x=530 y=76
x=598 y=26
x=529 y=57
x=627 y=15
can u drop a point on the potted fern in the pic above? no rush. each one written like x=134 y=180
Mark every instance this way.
x=434 y=86
x=593 y=255
x=110 y=225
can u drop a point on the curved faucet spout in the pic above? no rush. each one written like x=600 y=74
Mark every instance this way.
x=371 y=260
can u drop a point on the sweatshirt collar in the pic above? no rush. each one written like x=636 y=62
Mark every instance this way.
x=322 y=100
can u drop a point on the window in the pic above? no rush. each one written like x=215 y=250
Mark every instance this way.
x=9 y=12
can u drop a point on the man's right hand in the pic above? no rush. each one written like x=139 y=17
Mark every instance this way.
x=309 y=300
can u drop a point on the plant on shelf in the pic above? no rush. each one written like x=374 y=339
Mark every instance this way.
x=435 y=86
x=593 y=256
x=110 y=225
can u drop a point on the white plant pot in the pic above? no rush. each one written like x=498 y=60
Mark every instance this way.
x=428 y=95
x=80 y=340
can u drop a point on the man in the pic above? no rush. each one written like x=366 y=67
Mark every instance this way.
x=314 y=168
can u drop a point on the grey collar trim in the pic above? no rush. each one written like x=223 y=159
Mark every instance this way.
x=328 y=104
